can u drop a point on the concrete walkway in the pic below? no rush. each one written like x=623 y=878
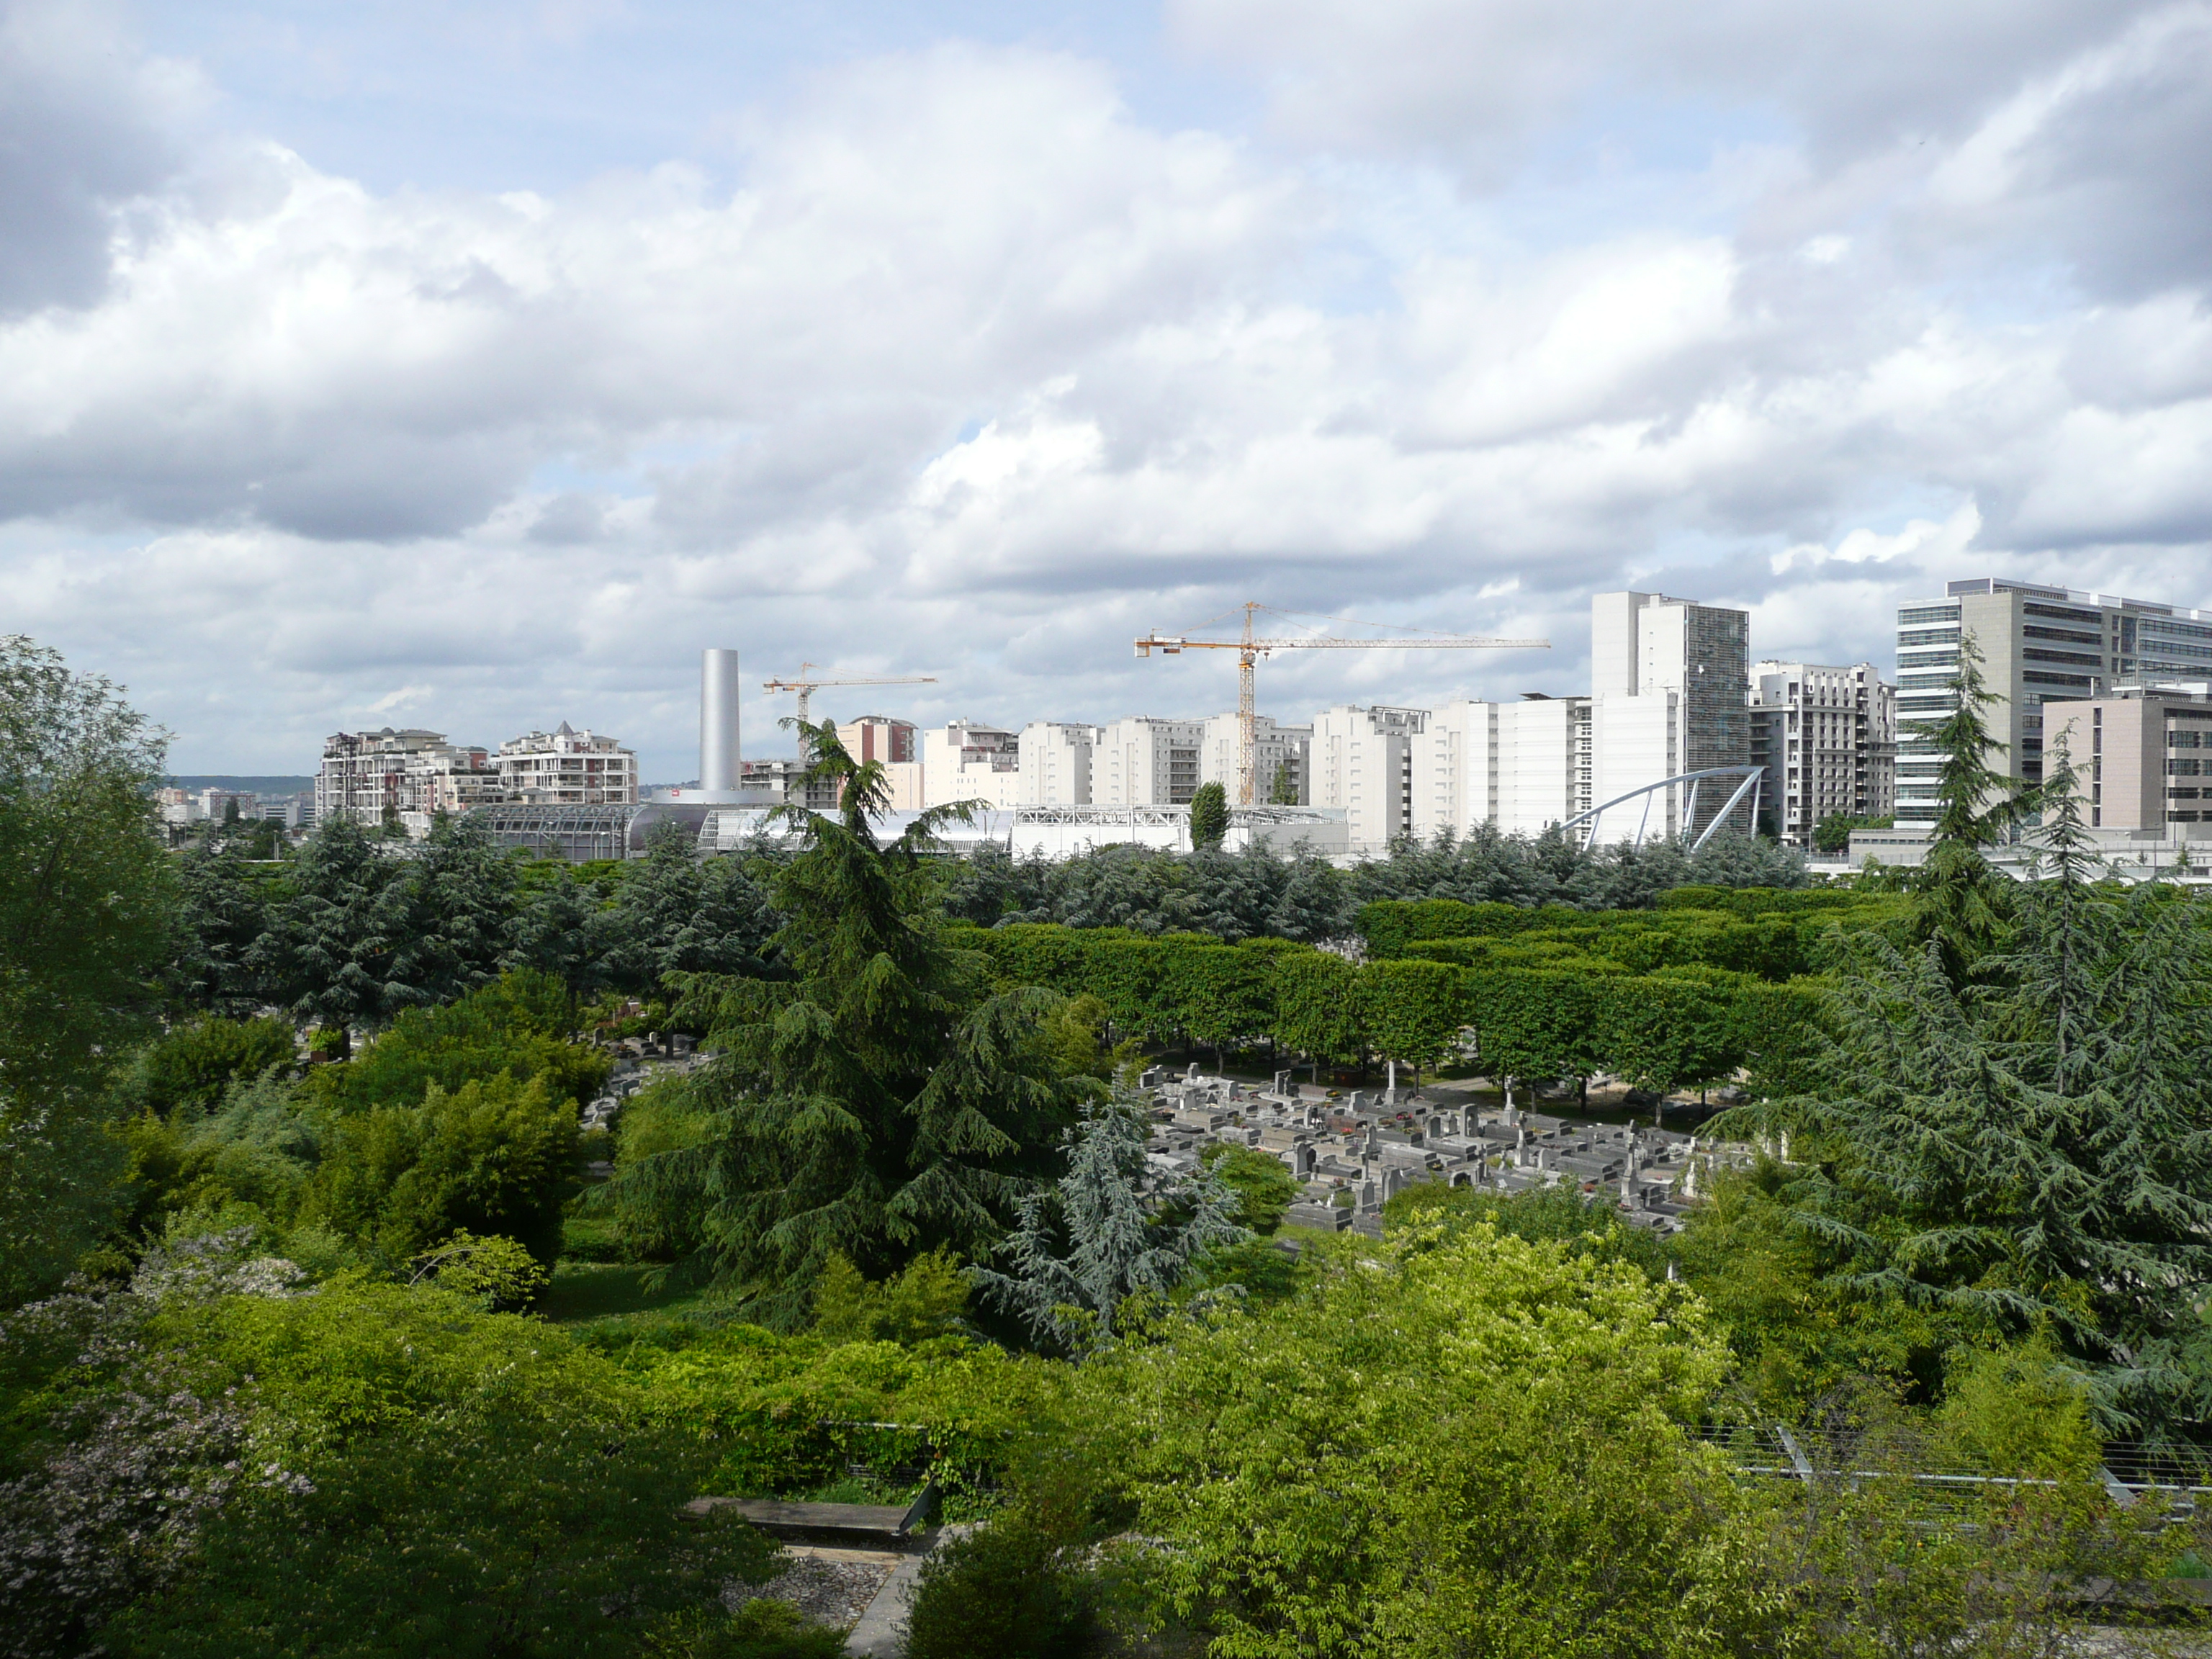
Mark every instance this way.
x=881 y=1633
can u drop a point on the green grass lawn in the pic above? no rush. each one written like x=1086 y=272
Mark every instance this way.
x=615 y=1297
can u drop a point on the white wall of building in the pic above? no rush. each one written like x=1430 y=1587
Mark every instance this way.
x=1636 y=741
x=1145 y=762
x=1362 y=762
x=968 y=759
x=1274 y=746
x=1057 y=759
x=1545 y=767
x=1454 y=769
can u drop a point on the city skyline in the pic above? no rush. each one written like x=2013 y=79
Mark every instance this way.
x=475 y=366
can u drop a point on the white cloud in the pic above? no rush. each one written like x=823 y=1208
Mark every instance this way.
x=974 y=372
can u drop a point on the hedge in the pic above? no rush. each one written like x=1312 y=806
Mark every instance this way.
x=1549 y=1014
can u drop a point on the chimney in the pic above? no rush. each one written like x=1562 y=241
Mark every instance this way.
x=720 y=768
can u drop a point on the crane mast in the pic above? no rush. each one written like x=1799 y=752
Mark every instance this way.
x=1250 y=648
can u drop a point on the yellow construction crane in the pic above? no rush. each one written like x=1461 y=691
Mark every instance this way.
x=1250 y=648
x=806 y=686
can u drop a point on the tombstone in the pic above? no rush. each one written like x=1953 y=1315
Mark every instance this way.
x=1352 y=1104
x=1372 y=1145
x=1302 y=1160
x=1191 y=1076
x=1367 y=1193
x=1394 y=1182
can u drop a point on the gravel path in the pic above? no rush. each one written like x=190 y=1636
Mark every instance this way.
x=830 y=1587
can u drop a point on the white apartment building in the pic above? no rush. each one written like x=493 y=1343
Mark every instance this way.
x=1453 y=768
x=1519 y=767
x=1670 y=684
x=1275 y=748
x=567 y=767
x=1362 y=762
x=1827 y=736
x=1544 y=763
x=1057 y=762
x=968 y=759
x=413 y=773
x=1144 y=762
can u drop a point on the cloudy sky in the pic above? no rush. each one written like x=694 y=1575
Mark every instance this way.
x=473 y=365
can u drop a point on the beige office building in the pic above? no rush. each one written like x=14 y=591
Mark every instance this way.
x=2141 y=756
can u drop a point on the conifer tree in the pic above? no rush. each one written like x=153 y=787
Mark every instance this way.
x=325 y=955
x=878 y=1103
x=449 y=916
x=1209 y=815
x=1107 y=1232
x=220 y=915
x=1963 y=902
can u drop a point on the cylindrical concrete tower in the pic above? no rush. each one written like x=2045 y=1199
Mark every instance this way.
x=720 y=767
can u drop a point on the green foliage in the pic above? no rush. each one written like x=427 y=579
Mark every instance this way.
x=2031 y=1153
x=1501 y=1472
x=495 y=1271
x=190 y=1068
x=675 y=913
x=491 y=1157
x=1007 y=1591
x=1265 y=1188
x=1107 y=1235
x=1412 y=1012
x=467 y=1484
x=1541 y=1215
x=1962 y=902
x=656 y=1223
x=87 y=912
x=1316 y=1011
x=516 y=1027
x=223 y=908
x=924 y=1299
x=1800 y=1328
x=1076 y=1036
x=790 y=1414
x=325 y=954
x=247 y=1162
x=1209 y=815
x=760 y=1629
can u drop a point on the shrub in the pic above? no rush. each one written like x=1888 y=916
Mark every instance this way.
x=190 y=1068
x=496 y=1156
x=761 y=1629
x=514 y=1028
x=1005 y=1591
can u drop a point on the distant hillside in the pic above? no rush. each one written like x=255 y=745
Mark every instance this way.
x=256 y=785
